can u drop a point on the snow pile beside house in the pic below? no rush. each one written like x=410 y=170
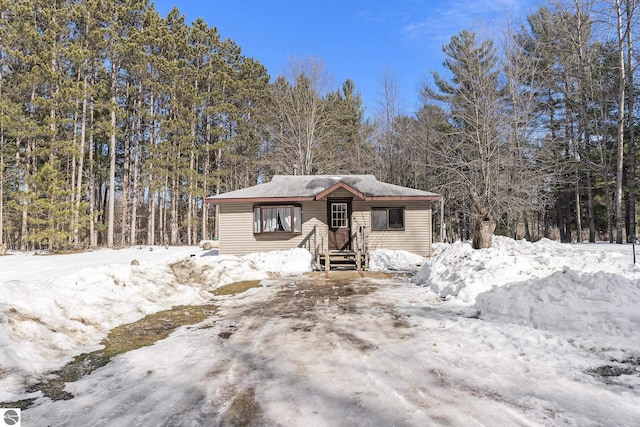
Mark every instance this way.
x=460 y=273
x=387 y=260
x=285 y=262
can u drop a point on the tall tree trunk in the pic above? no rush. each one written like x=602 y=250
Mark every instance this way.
x=93 y=235
x=578 y=212
x=83 y=133
x=610 y=209
x=125 y=181
x=621 y=117
x=485 y=225
x=162 y=236
x=163 y=211
x=74 y=161
x=590 y=208
x=191 y=174
x=151 y=226
x=218 y=178
x=583 y=121
x=25 y=202
x=527 y=231
x=133 y=239
x=174 y=212
x=28 y=161
x=631 y=161
x=190 y=201
x=205 y=181
x=112 y=161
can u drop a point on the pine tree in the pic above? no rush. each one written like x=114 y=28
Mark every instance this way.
x=349 y=149
x=51 y=209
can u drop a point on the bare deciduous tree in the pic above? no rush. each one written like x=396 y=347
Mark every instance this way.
x=486 y=150
x=297 y=117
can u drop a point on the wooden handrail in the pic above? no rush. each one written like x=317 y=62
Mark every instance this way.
x=306 y=242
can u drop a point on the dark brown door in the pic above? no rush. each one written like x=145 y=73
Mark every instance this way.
x=339 y=222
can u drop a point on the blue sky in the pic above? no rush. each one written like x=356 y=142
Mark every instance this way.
x=355 y=39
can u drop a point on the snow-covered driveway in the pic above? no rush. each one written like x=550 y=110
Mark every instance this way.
x=303 y=352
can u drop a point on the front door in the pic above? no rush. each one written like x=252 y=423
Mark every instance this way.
x=339 y=222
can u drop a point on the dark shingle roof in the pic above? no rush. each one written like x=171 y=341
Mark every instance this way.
x=303 y=187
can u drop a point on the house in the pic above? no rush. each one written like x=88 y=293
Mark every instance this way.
x=338 y=218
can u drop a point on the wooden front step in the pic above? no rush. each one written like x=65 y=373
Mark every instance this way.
x=346 y=260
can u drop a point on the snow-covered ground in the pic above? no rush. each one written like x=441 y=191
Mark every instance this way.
x=520 y=334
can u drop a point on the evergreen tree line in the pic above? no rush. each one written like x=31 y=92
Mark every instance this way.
x=116 y=122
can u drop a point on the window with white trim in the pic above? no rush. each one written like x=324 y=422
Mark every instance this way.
x=387 y=218
x=339 y=215
x=277 y=219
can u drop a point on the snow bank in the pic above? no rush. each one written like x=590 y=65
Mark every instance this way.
x=388 y=260
x=597 y=304
x=461 y=273
x=54 y=307
x=286 y=262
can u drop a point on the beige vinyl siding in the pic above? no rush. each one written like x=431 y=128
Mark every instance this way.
x=416 y=236
x=237 y=237
x=236 y=229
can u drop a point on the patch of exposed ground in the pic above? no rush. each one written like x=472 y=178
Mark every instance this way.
x=122 y=339
x=244 y=411
x=236 y=288
x=617 y=368
x=186 y=271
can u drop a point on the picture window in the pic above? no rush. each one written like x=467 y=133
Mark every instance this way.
x=277 y=219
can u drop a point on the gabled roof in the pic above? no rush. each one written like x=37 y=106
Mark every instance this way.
x=292 y=188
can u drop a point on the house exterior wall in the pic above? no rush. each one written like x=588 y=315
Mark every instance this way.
x=416 y=236
x=236 y=229
x=237 y=237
